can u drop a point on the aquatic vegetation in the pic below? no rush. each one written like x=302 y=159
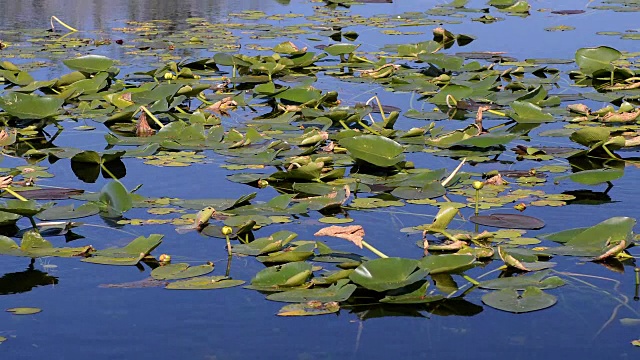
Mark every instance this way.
x=269 y=117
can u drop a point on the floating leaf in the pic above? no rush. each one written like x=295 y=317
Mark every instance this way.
x=89 y=63
x=374 y=149
x=593 y=177
x=513 y=221
x=595 y=59
x=204 y=283
x=340 y=291
x=24 y=311
x=180 y=271
x=310 y=308
x=514 y=301
x=30 y=107
x=540 y=280
x=387 y=273
x=447 y=263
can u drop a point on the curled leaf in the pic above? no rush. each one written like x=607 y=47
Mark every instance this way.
x=353 y=233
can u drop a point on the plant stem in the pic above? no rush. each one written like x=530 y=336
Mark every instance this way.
x=470 y=279
x=153 y=117
x=15 y=194
x=374 y=250
x=61 y=23
x=228 y=245
x=477 y=201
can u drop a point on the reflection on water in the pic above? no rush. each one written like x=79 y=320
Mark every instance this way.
x=103 y=14
x=23 y=281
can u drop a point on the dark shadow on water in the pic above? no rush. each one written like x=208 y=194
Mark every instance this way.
x=24 y=281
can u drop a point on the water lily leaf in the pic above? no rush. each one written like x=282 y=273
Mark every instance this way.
x=180 y=271
x=528 y=113
x=540 y=280
x=374 y=149
x=341 y=49
x=310 y=308
x=116 y=197
x=292 y=254
x=275 y=277
x=431 y=190
x=24 y=310
x=30 y=107
x=513 y=221
x=89 y=63
x=131 y=254
x=340 y=291
x=265 y=245
x=418 y=296
x=67 y=212
x=458 y=92
x=595 y=59
x=24 y=208
x=593 y=177
x=387 y=273
x=204 y=283
x=514 y=301
x=447 y=263
x=593 y=241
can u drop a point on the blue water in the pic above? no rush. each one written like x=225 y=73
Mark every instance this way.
x=81 y=319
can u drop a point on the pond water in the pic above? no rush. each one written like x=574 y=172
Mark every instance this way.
x=85 y=314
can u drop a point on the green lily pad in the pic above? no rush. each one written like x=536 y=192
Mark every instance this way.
x=116 y=197
x=67 y=212
x=508 y=221
x=287 y=275
x=180 y=271
x=593 y=177
x=30 y=107
x=339 y=291
x=418 y=296
x=595 y=59
x=387 y=273
x=89 y=63
x=24 y=310
x=447 y=263
x=131 y=254
x=540 y=280
x=512 y=300
x=204 y=283
x=310 y=308
x=374 y=149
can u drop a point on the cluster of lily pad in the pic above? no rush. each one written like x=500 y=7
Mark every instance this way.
x=326 y=155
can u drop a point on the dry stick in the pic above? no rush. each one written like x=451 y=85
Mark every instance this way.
x=61 y=23
x=453 y=173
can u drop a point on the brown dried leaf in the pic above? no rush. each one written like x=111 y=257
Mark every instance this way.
x=223 y=105
x=624 y=117
x=613 y=251
x=634 y=141
x=495 y=180
x=142 y=127
x=5 y=181
x=353 y=233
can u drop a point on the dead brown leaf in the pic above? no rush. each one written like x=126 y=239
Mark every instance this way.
x=143 y=129
x=5 y=181
x=223 y=105
x=495 y=180
x=353 y=233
